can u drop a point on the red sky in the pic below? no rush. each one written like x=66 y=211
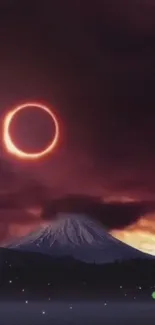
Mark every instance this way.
x=95 y=64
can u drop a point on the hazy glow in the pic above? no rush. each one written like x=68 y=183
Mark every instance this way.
x=119 y=199
x=8 y=142
x=140 y=235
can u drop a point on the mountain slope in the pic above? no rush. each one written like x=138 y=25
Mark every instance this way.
x=77 y=236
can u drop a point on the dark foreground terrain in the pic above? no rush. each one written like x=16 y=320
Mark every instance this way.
x=38 y=289
x=39 y=273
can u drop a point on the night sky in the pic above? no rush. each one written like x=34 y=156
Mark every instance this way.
x=95 y=64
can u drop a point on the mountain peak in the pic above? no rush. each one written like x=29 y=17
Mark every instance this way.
x=76 y=229
x=78 y=236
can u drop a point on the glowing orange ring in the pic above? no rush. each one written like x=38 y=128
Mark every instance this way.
x=9 y=145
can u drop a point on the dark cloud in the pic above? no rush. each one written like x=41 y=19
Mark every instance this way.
x=112 y=215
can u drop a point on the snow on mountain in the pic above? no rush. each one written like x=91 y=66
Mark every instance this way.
x=77 y=236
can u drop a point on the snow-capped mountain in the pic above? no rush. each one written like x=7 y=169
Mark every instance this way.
x=77 y=236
